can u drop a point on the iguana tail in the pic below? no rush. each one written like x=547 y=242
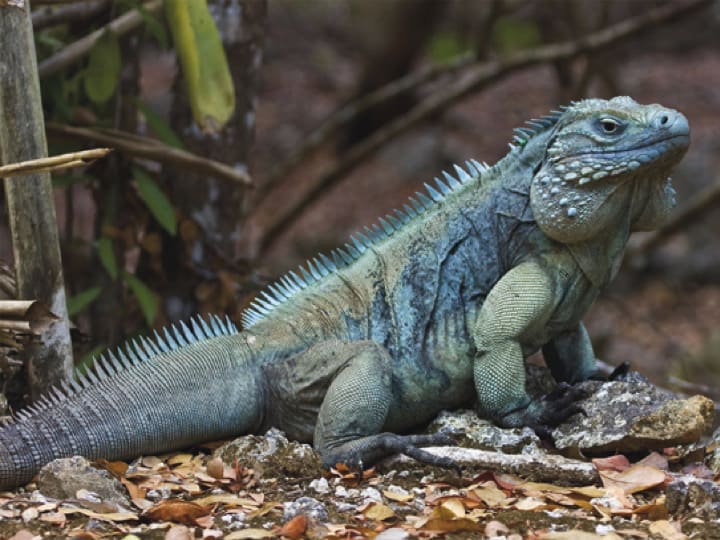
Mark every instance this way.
x=191 y=385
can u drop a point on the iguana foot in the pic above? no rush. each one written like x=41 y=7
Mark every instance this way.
x=364 y=452
x=556 y=407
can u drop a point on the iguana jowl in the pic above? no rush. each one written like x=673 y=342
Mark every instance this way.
x=435 y=308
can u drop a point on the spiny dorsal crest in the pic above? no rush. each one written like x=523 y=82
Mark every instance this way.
x=537 y=125
x=322 y=265
x=135 y=351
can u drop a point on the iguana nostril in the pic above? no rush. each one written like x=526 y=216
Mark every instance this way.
x=663 y=120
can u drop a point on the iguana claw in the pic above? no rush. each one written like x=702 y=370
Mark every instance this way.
x=554 y=408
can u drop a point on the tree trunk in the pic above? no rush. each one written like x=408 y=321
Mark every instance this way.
x=33 y=225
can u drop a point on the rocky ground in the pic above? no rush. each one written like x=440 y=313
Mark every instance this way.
x=639 y=463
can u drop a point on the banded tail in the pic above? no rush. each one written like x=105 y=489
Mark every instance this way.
x=193 y=384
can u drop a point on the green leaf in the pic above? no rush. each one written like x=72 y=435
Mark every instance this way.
x=205 y=68
x=446 y=46
x=512 y=34
x=107 y=256
x=157 y=202
x=82 y=300
x=154 y=26
x=159 y=126
x=146 y=298
x=103 y=71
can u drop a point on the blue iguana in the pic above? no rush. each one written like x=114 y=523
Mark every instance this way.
x=435 y=307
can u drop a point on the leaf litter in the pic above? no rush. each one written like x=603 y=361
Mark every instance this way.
x=185 y=495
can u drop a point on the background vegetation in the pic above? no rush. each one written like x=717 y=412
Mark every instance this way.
x=335 y=111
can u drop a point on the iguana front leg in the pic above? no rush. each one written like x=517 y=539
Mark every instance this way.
x=517 y=307
x=570 y=356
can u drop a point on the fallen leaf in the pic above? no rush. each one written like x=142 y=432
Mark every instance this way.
x=24 y=534
x=489 y=494
x=666 y=530
x=530 y=503
x=613 y=463
x=56 y=518
x=178 y=532
x=636 y=478
x=110 y=516
x=398 y=497
x=451 y=509
x=184 y=512
x=577 y=535
x=451 y=525
x=249 y=533
x=653 y=459
x=294 y=528
x=228 y=499
x=215 y=468
x=378 y=512
x=495 y=528
x=29 y=514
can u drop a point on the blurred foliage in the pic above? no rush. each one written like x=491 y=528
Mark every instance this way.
x=131 y=204
x=205 y=69
x=511 y=33
x=446 y=46
x=702 y=367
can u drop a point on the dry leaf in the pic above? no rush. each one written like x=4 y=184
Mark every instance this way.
x=636 y=478
x=215 y=468
x=654 y=459
x=530 y=503
x=577 y=535
x=24 y=535
x=110 y=516
x=179 y=459
x=495 y=528
x=294 y=528
x=56 y=518
x=666 y=530
x=398 y=497
x=452 y=509
x=613 y=463
x=378 y=512
x=249 y=533
x=451 y=525
x=178 y=532
x=489 y=494
x=228 y=499
x=184 y=512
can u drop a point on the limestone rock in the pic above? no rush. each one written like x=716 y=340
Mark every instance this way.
x=689 y=495
x=64 y=478
x=272 y=455
x=472 y=431
x=633 y=415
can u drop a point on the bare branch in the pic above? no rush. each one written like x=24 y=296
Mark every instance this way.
x=54 y=163
x=476 y=77
x=347 y=113
x=82 y=47
x=62 y=14
x=144 y=147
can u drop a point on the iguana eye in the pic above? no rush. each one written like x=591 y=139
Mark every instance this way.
x=609 y=126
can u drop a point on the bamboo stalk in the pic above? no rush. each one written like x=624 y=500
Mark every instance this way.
x=63 y=161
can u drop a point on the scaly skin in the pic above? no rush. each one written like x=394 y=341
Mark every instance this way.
x=437 y=309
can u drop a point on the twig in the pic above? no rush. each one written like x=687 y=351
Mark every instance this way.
x=477 y=76
x=63 y=161
x=62 y=14
x=691 y=212
x=343 y=116
x=82 y=47
x=144 y=147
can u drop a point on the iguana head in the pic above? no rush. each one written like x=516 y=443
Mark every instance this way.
x=606 y=163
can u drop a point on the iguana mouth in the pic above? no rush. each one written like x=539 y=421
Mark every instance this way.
x=678 y=141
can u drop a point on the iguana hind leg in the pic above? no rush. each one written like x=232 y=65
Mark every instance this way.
x=355 y=409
